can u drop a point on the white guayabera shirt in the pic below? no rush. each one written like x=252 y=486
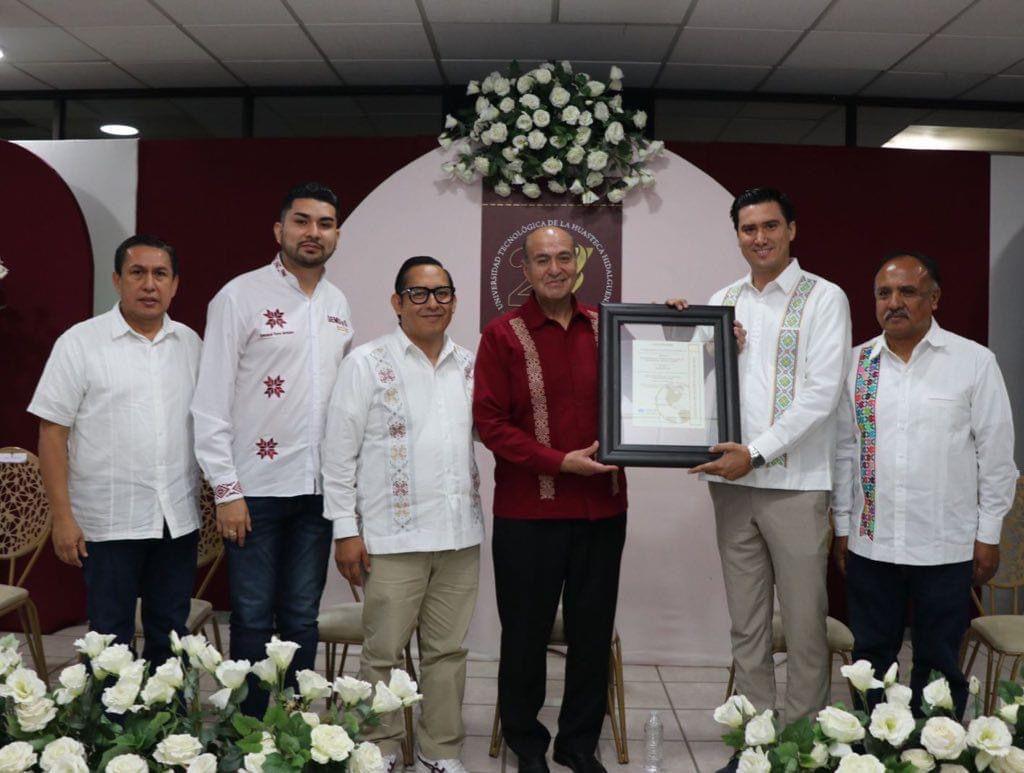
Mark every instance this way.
x=270 y=357
x=924 y=464
x=399 y=466
x=125 y=399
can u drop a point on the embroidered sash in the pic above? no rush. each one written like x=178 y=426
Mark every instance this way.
x=865 y=393
x=398 y=431
x=538 y=398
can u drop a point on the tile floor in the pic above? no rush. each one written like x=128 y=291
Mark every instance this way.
x=683 y=696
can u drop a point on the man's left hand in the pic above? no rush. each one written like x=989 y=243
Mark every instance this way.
x=733 y=463
x=986 y=562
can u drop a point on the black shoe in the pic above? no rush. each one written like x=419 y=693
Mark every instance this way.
x=579 y=762
x=532 y=764
x=731 y=766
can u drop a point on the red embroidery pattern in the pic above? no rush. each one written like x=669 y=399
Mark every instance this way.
x=267 y=449
x=274 y=386
x=224 y=490
x=275 y=318
x=398 y=464
x=280 y=266
x=538 y=399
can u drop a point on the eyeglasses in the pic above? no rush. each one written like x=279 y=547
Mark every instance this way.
x=443 y=294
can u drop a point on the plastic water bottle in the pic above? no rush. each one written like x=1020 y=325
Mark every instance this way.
x=654 y=731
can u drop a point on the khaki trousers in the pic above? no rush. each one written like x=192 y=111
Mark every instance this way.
x=766 y=538
x=437 y=591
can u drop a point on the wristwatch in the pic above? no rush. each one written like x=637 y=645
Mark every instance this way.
x=756 y=460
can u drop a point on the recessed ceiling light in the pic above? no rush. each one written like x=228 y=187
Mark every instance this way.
x=1 y=53
x=958 y=138
x=119 y=129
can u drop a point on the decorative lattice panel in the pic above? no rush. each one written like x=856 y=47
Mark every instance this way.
x=24 y=509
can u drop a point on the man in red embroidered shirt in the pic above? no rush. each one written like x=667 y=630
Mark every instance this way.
x=559 y=515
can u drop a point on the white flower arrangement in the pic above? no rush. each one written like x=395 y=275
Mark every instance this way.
x=551 y=128
x=159 y=722
x=890 y=739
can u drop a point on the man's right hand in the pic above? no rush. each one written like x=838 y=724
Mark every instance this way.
x=351 y=557
x=839 y=545
x=581 y=462
x=233 y=521
x=68 y=541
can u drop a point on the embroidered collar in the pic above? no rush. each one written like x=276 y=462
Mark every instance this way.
x=290 y=279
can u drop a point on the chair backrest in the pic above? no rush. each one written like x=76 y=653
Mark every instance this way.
x=1011 y=556
x=25 y=517
x=211 y=545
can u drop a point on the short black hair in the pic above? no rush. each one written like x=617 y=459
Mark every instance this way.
x=419 y=260
x=930 y=266
x=759 y=196
x=144 y=240
x=309 y=190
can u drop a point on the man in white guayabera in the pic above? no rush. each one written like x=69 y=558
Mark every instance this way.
x=401 y=490
x=115 y=450
x=924 y=477
x=274 y=339
x=771 y=492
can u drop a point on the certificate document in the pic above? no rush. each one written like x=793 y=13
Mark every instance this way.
x=668 y=385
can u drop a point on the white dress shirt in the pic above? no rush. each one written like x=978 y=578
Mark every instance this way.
x=125 y=399
x=942 y=462
x=802 y=437
x=399 y=464
x=270 y=357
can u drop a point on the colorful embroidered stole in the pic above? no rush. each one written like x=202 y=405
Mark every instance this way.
x=865 y=393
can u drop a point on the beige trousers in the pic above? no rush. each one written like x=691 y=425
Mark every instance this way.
x=766 y=538
x=437 y=591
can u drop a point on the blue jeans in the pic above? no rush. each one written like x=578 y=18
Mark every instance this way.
x=276 y=581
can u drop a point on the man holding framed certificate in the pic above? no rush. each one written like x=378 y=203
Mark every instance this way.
x=771 y=491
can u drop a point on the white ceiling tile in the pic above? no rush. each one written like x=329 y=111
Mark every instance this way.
x=711 y=77
x=701 y=45
x=952 y=53
x=492 y=11
x=43 y=44
x=189 y=12
x=549 y=41
x=314 y=72
x=922 y=85
x=1002 y=87
x=14 y=14
x=923 y=16
x=372 y=41
x=355 y=11
x=618 y=12
x=758 y=130
x=755 y=14
x=855 y=50
x=168 y=75
x=817 y=81
x=389 y=72
x=142 y=44
x=108 y=13
x=901 y=116
x=992 y=119
x=990 y=17
x=82 y=75
x=256 y=41
x=13 y=78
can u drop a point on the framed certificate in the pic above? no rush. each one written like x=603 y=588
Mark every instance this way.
x=669 y=384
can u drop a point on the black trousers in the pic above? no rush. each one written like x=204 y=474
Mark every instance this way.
x=536 y=563
x=161 y=572
x=877 y=594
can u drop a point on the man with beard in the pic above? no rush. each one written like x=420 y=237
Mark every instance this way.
x=274 y=339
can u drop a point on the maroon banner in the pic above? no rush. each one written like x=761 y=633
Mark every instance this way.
x=596 y=229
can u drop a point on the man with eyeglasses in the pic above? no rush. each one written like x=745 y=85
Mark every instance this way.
x=401 y=488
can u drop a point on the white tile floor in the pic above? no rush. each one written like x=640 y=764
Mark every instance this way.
x=683 y=696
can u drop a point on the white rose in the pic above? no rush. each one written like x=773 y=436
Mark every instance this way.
x=892 y=724
x=646 y=179
x=220 y=698
x=524 y=123
x=498 y=132
x=615 y=195
x=615 y=86
x=366 y=758
x=861 y=675
x=589 y=197
x=519 y=141
x=210 y=658
x=570 y=114
x=615 y=73
x=1013 y=762
x=92 y=644
x=576 y=187
x=524 y=84
x=178 y=749
x=898 y=694
x=536 y=139
x=760 y=731
x=530 y=101
x=35 y=716
x=157 y=691
x=819 y=756
x=310 y=718
x=311 y=684
x=465 y=174
x=266 y=670
x=614 y=133
x=639 y=119
x=631 y=181
x=729 y=714
x=509 y=152
x=575 y=154
x=489 y=114
x=860 y=763
x=541 y=118
x=501 y=86
x=121 y=696
x=655 y=147
x=481 y=164
x=9 y=660
x=840 y=725
x=890 y=675
x=594 y=179
x=919 y=758
x=559 y=97
x=481 y=104
x=989 y=735
x=232 y=673
x=566 y=66
x=61 y=754
x=583 y=135
x=16 y=757
x=944 y=738
x=473 y=87
x=330 y=743
x=503 y=189
x=542 y=75
x=601 y=112
x=597 y=160
x=385 y=701
x=559 y=141
x=128 y=763
x=953 y=769
x=112 y=660
x=507 y=105
x=552 y=165
x=754 y=761
x=531 y=191
x=596 y=88
x=253 y=762
x=1009 y=713
x=586 y=118
x=193 y=644
x=23 y=686
x=450 y=122
x=937 y=694
x=555 y=187
x=204 y=763
x=133 y=673
x=171 y=673
x=352 y=690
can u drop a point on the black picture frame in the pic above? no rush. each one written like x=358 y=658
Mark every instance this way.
x=613 y=315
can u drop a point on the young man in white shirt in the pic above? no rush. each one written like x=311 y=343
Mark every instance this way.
x=274 y=339
x=924 y=476
x=771 y=492
x=401 y=490
x=115 y=451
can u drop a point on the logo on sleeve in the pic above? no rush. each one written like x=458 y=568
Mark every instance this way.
x=338 y=322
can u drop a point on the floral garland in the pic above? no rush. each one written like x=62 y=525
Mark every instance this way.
x=551 y=125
